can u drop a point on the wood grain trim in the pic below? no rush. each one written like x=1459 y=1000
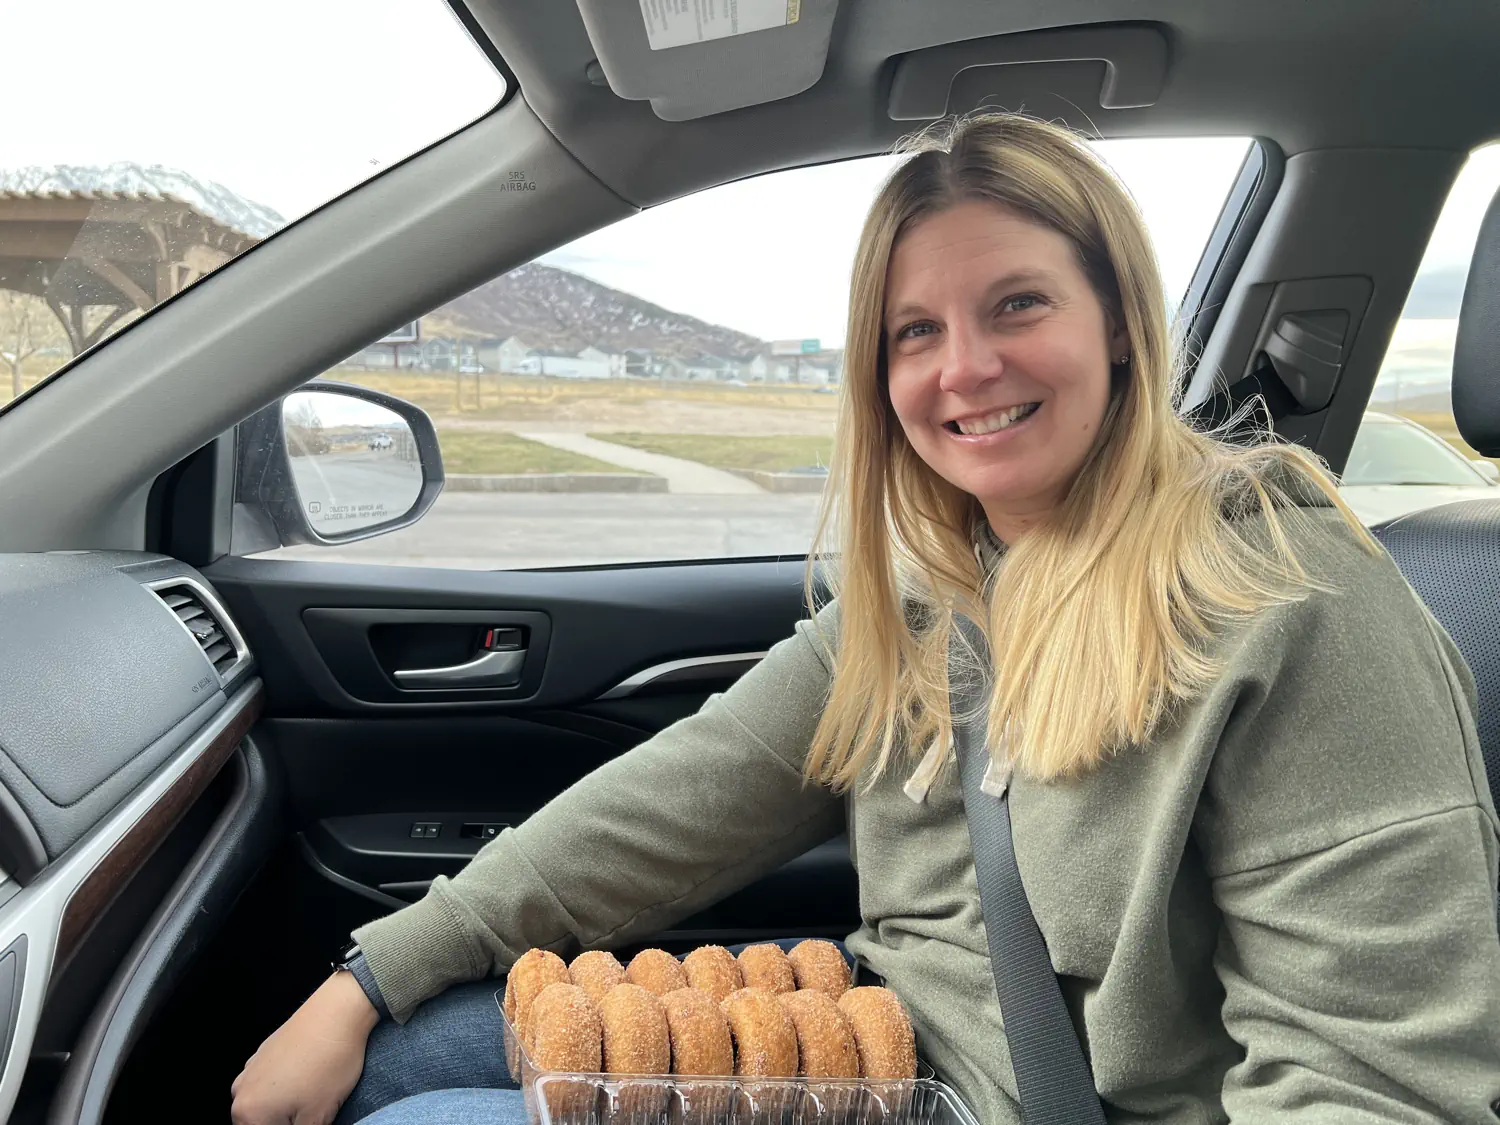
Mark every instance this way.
x=115 y=869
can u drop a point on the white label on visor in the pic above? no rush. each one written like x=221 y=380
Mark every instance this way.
x=678 y=23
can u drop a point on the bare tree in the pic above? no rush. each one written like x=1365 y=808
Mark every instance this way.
x=27 y=325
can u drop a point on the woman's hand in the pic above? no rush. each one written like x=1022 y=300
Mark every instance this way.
x=303 y=1072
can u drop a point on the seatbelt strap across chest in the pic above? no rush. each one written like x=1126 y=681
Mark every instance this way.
x=1053 y=1079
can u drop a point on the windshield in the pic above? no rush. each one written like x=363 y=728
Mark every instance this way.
x=161 y=138
x=1392 y=452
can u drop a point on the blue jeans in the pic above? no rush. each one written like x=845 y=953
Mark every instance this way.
x=448 y=1057
x=445 y=1066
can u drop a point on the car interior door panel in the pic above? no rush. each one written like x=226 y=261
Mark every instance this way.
x=339 y=634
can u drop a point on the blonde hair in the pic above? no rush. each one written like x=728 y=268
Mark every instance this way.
x=1099 y=620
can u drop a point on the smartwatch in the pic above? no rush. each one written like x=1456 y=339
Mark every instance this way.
x=351 y=959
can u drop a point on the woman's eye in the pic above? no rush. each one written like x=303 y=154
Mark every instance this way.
x=1024 y=303
x=921 y=328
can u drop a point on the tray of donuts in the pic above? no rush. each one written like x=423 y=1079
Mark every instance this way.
x=765 y=1038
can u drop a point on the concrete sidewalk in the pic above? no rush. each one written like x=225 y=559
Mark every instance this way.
x=687 y=477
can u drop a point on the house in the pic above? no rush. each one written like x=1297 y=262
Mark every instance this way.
x=767 y=369
x=614 y=363
x=505 y=355
x=641 y=364
x=437 y=355
x=710 y=368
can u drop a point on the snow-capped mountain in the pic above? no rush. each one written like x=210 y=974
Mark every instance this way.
x=153 y=179
x=549 y=307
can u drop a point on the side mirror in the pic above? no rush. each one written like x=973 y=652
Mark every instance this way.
x=333 y=463
x=1487 y=469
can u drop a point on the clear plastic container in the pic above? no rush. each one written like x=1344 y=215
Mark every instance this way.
x=561 y=1098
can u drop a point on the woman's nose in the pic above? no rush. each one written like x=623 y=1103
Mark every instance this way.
x=969 y=360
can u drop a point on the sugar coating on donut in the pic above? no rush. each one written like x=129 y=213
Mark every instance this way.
x=699 y=1031
x=596 y=972
x=819 y=965
x=566 y=1031
x=656 y=971
x=713 y=969
x=767 y=967
x=825 y=1041
x=533 y=971
x=765 y=1040
x=636 y=1040
x=883 y=1033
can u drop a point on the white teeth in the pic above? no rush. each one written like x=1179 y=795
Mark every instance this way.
x=997 y=421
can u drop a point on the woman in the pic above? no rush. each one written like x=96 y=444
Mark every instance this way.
x=1248 y=803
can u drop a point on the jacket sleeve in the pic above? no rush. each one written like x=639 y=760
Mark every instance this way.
x=705 y=807
x=1348 y=828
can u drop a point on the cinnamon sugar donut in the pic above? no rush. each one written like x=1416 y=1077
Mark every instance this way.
x=767 y=967
x=566 y=1035
x=883 y=1033
x=765 y=1040
x=533 y=971
x=819 y=965
x=713 y=969
x=596 y=972
x=566 y=1030
x=699 y=1033
x=825 y=1041
x=656 y=971
x=636 y=1040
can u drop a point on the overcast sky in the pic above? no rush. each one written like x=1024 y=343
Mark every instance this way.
x=290 y=102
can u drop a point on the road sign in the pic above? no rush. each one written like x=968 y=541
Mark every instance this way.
x=406 y=334
x=796 y=347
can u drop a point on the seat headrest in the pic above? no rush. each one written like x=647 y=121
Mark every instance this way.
x=1476 y=353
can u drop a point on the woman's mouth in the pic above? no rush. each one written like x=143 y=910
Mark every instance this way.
x=992 y=423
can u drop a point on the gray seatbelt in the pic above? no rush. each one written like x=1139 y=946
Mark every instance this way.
x=1053 y=1078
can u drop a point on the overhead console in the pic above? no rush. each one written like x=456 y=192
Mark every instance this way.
x=1111 y=66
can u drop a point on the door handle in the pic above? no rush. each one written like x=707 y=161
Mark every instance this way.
x=487 y=670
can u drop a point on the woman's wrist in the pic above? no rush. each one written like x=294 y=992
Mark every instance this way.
x=345 y=994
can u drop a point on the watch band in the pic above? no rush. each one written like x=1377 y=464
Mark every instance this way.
x=354 y=962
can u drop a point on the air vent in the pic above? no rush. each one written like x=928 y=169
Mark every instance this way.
x=206 y=622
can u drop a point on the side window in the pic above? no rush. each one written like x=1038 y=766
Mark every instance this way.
x=665 y=389
x=1408 y=454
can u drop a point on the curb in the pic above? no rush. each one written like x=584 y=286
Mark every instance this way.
x=783 y=482
x=555 y=482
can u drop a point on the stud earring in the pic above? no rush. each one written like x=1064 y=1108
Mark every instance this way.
x=1123 y=360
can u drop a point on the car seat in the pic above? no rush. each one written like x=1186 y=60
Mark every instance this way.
x=1451 y=553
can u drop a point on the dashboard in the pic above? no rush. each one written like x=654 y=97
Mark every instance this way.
x=125 y=691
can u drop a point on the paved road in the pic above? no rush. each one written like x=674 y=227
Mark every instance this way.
x=348 y=490
x=499 y=530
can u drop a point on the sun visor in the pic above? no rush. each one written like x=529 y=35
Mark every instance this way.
x=693 y=58
x=1121 y=66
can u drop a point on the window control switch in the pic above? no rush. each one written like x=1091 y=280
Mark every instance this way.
x=425 y=830
x=476 y=831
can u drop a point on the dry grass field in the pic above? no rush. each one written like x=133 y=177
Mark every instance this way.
x=481 y=451
x=520 y=403
x=772 y=453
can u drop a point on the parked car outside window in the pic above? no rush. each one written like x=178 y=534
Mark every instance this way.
x=1397 y=467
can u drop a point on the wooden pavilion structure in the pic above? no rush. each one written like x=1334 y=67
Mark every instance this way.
x=96 y=256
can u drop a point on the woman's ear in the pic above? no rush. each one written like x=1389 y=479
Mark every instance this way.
x=1119 y=345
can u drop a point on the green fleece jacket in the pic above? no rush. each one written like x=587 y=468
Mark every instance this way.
x=1281 y=909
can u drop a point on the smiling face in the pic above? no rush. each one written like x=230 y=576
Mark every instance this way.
x=998 y=357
